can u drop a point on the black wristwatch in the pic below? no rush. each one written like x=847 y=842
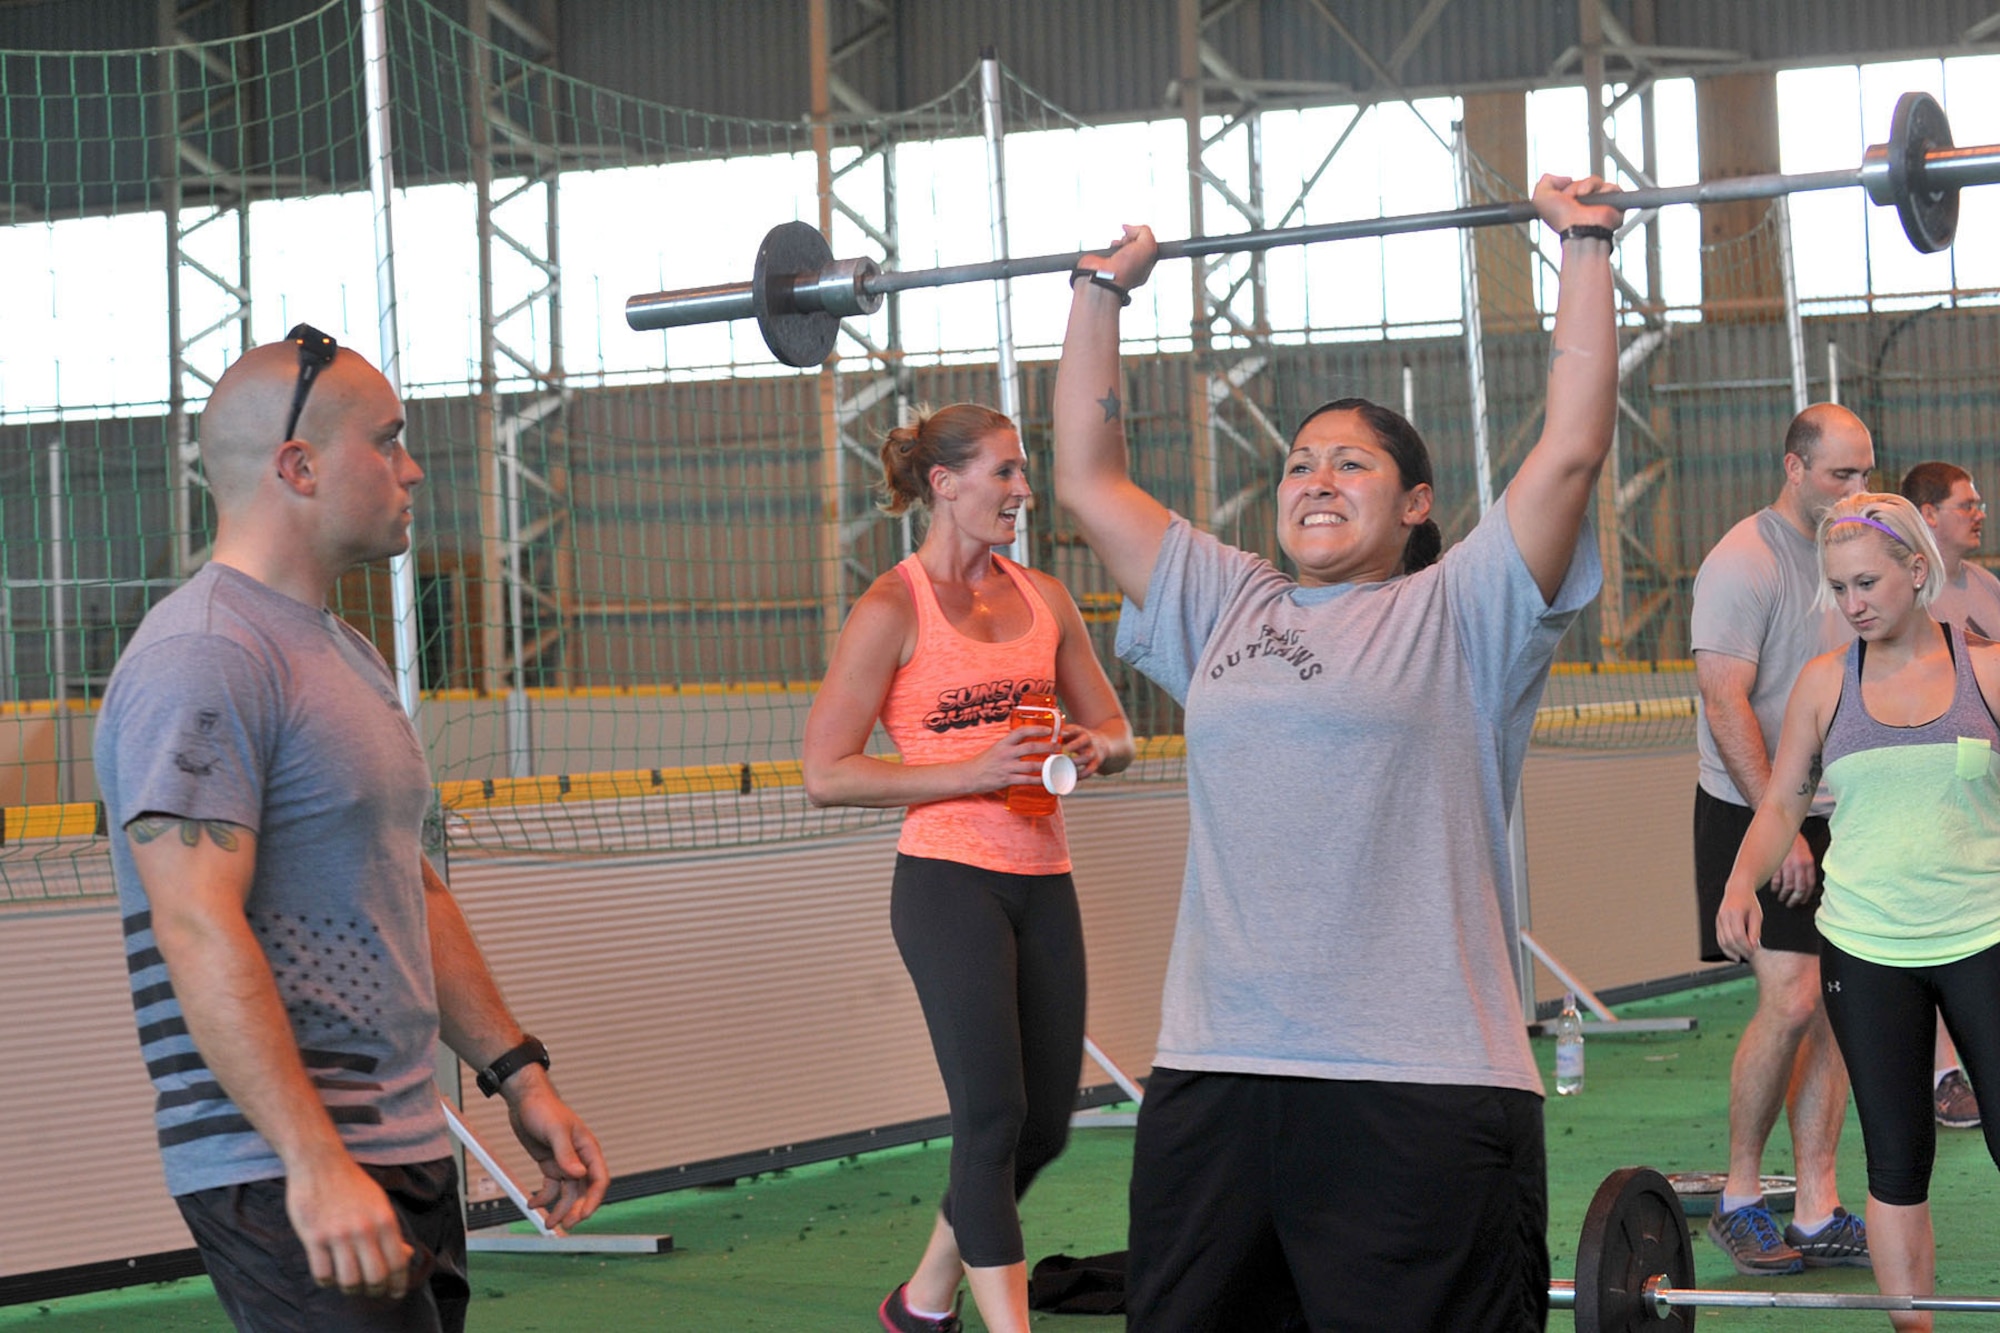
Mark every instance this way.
x=529 y=1052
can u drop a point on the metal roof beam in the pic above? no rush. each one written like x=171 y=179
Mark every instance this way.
x=1420 y=28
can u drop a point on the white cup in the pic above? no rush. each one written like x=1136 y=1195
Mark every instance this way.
x=1059 y=774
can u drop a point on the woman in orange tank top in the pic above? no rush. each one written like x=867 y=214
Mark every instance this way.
x=941 y=648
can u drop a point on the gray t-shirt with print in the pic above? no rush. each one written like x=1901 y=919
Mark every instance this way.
x=1353 y=753
x=238 y=704
x=1971 y=601
x=1755 y=599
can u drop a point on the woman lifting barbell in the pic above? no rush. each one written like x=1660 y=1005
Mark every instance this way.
x=1344 y=1116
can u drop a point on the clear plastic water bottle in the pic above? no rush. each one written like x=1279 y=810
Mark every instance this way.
x=1569 y=1048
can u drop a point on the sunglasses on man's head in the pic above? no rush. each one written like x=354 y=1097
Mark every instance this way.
x=316 y=353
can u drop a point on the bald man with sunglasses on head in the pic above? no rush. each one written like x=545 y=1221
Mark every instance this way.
x=294 y=956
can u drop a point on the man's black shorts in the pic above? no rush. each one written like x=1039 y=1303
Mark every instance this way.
x=263 y=1280
x=1719 y=827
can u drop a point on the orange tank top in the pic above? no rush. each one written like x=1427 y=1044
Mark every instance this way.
x=949 y=702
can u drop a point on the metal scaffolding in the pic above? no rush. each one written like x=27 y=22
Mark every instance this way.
x=528 y=603
x=852 y=385
x=207 y=162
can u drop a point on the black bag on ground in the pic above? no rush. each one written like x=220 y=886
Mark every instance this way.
x=1062 y=1284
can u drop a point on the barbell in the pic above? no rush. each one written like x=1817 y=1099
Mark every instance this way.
x=798 y=292
x=1635 y=1268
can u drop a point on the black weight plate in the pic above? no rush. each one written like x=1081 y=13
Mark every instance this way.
x=795 y=337
x=1634 y=1231
x=1930 y=217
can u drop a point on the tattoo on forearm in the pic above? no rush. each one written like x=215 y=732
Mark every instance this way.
x=148 y=828
x=1554 y=353
x=1109 y=402
x=1811 y=784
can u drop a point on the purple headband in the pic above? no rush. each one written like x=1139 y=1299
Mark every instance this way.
x=1878 y=526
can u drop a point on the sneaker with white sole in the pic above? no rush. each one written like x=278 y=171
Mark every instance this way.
x=1749 y=1236
x=897 y=1317
x=1841 y=1243
x=1957 y=1106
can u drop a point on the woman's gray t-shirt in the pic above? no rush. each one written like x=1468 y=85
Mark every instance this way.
x=1353 y=753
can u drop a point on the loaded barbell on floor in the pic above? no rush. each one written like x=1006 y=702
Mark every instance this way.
x=1635 y=1268
x=799 y=293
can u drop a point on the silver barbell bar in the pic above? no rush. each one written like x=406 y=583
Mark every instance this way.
x=1662 y=1298
x=799 y=293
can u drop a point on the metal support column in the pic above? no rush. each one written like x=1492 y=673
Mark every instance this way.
x=1795 y=325
x=381 y=186
x=872 y=373
x=832 y=575
x=523 y=389
x=1475 y=341
x=1008 y=368
x=1199 y=398
x=1227 y=415
x=204 y=178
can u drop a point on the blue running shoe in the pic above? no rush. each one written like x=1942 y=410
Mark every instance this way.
x=1750 y=1237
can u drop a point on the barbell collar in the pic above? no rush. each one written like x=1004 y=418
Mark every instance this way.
x=842 y=288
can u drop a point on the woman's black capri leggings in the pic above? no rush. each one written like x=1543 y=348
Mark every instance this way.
x=998 y=964
x=1884 y=1019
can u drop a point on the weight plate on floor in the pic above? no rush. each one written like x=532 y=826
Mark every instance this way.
x=1634 y=1231
x=1699 y=1191
x=1930 y=217
x=796 y=337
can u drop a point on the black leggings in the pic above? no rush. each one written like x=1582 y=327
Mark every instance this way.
x=1884 y=1019
x=998 y=964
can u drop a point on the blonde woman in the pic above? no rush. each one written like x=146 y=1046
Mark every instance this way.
x=1901 y=724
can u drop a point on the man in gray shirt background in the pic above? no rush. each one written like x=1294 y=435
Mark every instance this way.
x=294 y=957
x=1754 y=626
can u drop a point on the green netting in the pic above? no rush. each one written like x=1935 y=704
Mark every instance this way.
x=634 y=550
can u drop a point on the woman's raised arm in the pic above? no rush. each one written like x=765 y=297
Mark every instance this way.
x=1121 y=521
x=1548 y=496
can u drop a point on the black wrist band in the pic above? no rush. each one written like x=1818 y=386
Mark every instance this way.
x=529 y=1052
x=1102 y=277
x=1585 y=231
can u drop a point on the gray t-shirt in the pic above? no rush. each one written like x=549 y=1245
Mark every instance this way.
x=1970 y=601
x=1753 y=599
x=236 y=703
x=1353 y=752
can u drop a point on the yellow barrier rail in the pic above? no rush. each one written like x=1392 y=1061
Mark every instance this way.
x=86 y=819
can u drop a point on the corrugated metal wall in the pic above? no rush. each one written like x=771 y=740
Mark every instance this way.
x=1110 y=59
x=1115 y=59
x=717 y=466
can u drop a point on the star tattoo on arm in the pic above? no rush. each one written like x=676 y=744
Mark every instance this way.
x=1109 y=402
x=148 y=828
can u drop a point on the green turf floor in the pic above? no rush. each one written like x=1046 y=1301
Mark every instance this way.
x=815 y=1248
